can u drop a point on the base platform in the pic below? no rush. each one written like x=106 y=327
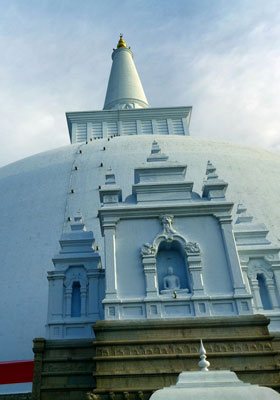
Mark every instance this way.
x=131 y=359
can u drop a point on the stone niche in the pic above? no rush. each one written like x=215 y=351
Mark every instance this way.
x=171 y=264
x=170 y=252
x=260 y=263
x=76 y=286
x=172 y=269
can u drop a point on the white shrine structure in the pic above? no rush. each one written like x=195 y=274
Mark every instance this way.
x=169 y=251
x=135 y=220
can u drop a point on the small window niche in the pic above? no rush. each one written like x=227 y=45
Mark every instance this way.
x=76 y=299
x=265 y=298
x=172 y=268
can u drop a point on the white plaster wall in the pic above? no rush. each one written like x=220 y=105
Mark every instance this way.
x=33 y=193
x=35 y=201
x=130 y=236
x=215 y=270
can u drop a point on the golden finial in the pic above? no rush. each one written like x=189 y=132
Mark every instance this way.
x=121 y=42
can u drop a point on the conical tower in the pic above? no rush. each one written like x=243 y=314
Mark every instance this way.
x=129 y=111
x=124 y=89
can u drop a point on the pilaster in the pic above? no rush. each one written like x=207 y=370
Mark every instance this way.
x=138 y=127
x=89 y=130
x=104 y=129
x=38 y=349
x=256 y=293
x=154 y=127
x=109 y=227
x=93 y=292
x=56 y=291
x=150 y=270
x=275 y=265
x=83 y=301
x=195 y=268
x=232 y=255
x=272 y=293
x=170 y=126
x=68 y=297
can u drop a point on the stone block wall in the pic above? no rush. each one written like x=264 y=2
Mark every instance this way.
x=131 y=359
x=63 y=369
x=137 y=357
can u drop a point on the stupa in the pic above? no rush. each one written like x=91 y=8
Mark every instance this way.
x=140 y=231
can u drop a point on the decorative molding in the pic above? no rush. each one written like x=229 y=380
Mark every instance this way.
x=244 y=259
x=258 y=266
x=169 y=234
x=87 y=119
x=213 y=187
x=167 y=221
x=156 y=154
x=148 y=250
x=271 y=257
x=192 y=253
x=114 y=214
x=192 y=248
x=76 y=274
x=110 y=222
x=182 y=349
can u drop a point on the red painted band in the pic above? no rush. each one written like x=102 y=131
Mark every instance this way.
x=16 y=372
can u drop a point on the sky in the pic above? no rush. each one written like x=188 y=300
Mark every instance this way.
x=221 y=57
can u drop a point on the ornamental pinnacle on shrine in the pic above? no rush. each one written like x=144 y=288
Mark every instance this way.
x=213 y=188
x=125 y=90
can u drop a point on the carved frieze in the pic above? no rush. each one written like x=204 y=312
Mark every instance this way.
x=125 y=395
x=182 y=348
x=67 y=367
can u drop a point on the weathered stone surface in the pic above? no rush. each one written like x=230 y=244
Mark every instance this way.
x=63 y=369
x=129 y=360
x=17 y=396
x=147 y=355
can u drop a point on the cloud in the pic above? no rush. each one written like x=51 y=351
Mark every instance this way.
x=230 y=73
x=221 y=57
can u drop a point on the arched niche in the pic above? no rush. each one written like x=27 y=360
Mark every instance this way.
x=171 y=255
x=262 y=282
x=76 y=299
x=264 y=294
x=170 y=246
x=76 y=291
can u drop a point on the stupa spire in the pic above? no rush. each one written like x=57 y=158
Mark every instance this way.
x=122 y=42
x=124 y=89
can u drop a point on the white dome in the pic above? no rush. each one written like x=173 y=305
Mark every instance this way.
x=36 y=201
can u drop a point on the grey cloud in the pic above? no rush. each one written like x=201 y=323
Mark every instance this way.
x=221 y=57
